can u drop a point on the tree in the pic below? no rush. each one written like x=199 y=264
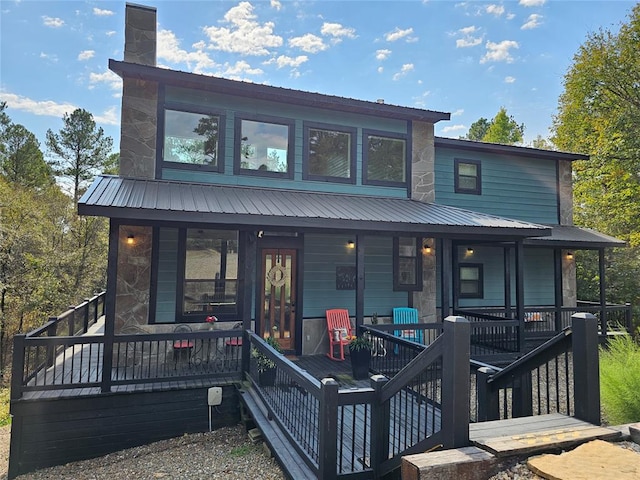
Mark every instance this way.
x=504 y=129
x=599 y=114
x=82 y=150
x=501 y=129
x=22 y=161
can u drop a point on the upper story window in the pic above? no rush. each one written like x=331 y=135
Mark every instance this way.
x=193 y=140
x=264 y=147
x=329 y=153
x=470 y=278
x=384 y=159
x=407 y=264
x=468 y=177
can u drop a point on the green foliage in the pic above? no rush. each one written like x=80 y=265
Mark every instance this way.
x=5 y=418
x=80 y=149
x=478 y=130
x=620 y=380
x=599 y=114
x=264 y=363
x=501 y=129
x=363 y=342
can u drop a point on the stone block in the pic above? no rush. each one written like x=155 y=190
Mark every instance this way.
x=468 y=463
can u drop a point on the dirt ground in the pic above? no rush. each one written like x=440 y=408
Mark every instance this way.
x=5 y=437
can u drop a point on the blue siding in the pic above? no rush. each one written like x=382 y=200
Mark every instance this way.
x=167 y=275
x=231 y=106
x=322 y=253
x=512 y=187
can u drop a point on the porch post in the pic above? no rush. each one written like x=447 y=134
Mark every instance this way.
x=454 y=276
x=603 y=292
x=110 y=305
x=359 y=280
x=520 y=292
x=507 y=281
x=557 y=284
x=247 y=290
x=380 y=421
x=445 y=276
x=455 y=382
x=328 y=430
x=586 y=370
x=488 y=398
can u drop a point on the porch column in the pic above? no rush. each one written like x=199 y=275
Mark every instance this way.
x=445 y=276
x=359 y=280
x=507 y=281
x=455 y=276
x=603 y=292
x=249 y=275
x=557 y=287
x=520 y=291
x=110 y=305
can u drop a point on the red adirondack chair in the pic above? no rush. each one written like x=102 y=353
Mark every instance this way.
x=339 y=329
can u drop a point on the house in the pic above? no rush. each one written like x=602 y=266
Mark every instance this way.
x=261 y=207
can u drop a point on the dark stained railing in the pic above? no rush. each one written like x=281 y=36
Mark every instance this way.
x=74 y=321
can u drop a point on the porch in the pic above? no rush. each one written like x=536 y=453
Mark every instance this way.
x=317 y=415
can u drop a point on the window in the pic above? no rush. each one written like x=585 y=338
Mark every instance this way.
x=407 y=264
x=210 y=272
x=470 y=280
x=264 y=148
x=193 y=140
x=467 y=177
x=384 y=159
x=330 y=153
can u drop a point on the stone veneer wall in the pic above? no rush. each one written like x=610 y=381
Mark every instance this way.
x=569 y=286
x=423 y=189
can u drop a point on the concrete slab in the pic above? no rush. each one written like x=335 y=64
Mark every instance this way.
x=594 y=460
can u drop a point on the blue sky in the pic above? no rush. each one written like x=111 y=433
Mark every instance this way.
x=468 y=58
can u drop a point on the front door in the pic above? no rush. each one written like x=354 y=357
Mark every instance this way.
x=278 y=296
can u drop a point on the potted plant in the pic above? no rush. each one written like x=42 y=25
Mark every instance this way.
x=266 y=367
x=360 y=352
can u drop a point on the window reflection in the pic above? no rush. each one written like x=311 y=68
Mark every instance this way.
x=191 y=138
x=264 y=146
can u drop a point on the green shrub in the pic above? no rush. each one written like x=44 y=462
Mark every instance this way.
x=620 y=380
x=5 y=418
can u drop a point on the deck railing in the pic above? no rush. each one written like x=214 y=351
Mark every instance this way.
x=75 y=321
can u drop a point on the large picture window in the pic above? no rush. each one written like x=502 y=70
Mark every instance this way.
x=210 y=272
x=407 y=264
x=470 y=280
x=264 y=147
x=192 y=140
x=330 y=154
x=385 y=159
x=467 y=177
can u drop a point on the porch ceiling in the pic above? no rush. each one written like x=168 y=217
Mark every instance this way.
x=173 y=201
x=569 y=236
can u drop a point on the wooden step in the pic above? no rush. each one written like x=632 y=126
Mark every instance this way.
x=469 y=463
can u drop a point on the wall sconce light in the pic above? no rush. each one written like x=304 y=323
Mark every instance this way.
x=469 y=251
x=351 y=244
x=131 y=239
x=569 y=255
x=426 y=249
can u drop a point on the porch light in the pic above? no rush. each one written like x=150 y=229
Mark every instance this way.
x=351 y=244
x=131 y=239
x=469 y=251
x=426 y=249
x=569 y=255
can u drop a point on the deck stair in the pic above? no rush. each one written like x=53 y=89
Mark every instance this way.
x=496 y=440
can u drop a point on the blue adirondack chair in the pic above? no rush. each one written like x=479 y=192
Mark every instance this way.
x=407 y=315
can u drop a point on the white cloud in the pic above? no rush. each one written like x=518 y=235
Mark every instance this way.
x=109 y=117
x=382 y=54
x=499 y=52
x=276 y=5
x=309 y=43
x=509 y=79
x=468 y=30
x=380 y=69
x=337 y=31
x=532 y=3
x=511 y=16
x=284 y=61
x=52 y=22
x=532 y=22
x=406 y=68
x=52 y=57
x=458 y=112
x=468 y=42
x=86 y=54
x=496 y=10
x=398 y=34
x=169 y=49
x=241 y=68
x=47 y=108
x=245 y=35
x=111 y=33
x=102 y=13
x=113 y=81
x=454 y=128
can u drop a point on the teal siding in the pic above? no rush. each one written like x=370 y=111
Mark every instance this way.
x=539 y=274
x=233 y=106
x=512 y=187
x=322 y=253
x=167 y=275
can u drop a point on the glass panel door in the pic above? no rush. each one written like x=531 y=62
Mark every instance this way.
x=278 y=294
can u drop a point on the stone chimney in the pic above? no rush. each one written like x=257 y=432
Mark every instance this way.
x=139 y=122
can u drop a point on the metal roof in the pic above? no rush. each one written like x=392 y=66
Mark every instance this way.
x=274 y=94
x=569 y=236
x=174 y=201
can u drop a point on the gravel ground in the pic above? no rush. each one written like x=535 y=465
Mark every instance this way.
x=226 y=453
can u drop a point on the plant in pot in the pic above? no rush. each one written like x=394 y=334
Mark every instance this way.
x=266 y=367
x=360 y=352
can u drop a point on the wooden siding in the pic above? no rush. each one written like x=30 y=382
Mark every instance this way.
x=167 y=275
x=512 y=187
x=322 y=253
x=54 y=432
x=236 y=106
